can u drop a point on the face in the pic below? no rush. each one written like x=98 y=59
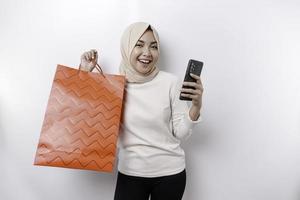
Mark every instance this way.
x=145 y=53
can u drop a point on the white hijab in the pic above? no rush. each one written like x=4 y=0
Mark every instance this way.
x=128 y=41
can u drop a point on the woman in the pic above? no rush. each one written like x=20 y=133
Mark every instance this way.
x=151 y=161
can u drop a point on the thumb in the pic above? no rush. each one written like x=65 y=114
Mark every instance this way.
x=94 y=54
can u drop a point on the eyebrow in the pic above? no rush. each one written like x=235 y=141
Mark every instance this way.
x=154 y=42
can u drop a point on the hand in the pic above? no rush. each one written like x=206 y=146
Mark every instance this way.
x=194 y=93
x=89 y=60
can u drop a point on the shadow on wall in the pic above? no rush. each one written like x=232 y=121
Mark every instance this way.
x=201 y=137
x=199 y=142
x=162 y=61
x=2 y=135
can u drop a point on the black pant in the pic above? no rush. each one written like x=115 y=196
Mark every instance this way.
x=159 y=188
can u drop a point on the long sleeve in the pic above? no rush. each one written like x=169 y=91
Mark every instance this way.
x=181 y=121
x=154 y=121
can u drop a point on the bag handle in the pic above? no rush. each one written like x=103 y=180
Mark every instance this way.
x=97 y=66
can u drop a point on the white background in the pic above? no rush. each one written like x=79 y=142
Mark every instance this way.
x=248 y=145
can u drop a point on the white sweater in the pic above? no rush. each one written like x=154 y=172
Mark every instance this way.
x=154 y=122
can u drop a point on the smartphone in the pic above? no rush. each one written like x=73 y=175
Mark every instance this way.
x=194 y=67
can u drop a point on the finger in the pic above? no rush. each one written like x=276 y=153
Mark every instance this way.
x=93 y=52
x=82 y=56
x=200 y=83
x=197 y=85
x=195 y=76
x=191 y=91
x=85 y=55
x=192 y=84
x=90 y=55
x=194 y=97
x=95 y=55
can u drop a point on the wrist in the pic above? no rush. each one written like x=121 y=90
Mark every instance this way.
x=194 y=113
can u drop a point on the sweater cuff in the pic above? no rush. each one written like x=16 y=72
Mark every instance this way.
x=189 y=124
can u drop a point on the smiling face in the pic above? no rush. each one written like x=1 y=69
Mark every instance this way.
x=145 y=53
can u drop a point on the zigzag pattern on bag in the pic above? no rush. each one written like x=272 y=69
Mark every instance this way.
x=82 y=120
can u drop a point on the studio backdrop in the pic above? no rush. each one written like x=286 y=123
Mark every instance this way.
x=246 y=148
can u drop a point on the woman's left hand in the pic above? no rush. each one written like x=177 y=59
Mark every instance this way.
x=194 y=93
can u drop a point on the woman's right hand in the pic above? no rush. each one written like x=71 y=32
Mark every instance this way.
x=88 y=60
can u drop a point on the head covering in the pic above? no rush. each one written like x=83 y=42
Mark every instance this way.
x=128 y=41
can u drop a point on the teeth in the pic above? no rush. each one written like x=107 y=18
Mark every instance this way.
x=145 y=61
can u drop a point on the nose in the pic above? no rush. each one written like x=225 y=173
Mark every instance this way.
x=146 y=52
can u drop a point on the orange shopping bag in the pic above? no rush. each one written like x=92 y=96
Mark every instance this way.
x=82 y=120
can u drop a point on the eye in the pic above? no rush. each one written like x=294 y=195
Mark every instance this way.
x=138 y=45
x=154 y=47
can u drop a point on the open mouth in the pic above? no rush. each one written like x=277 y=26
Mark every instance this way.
x=145 y=61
